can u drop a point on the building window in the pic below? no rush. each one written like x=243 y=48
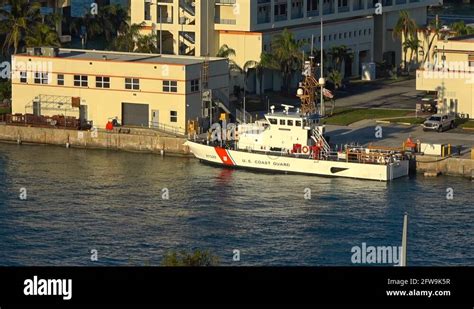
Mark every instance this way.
x=23 y=77
x=340 y=36
x=131 y=83
x=41 y=78
x=80 y=80
x=173 y=116
x=170 y=86
x=102 y=82
x=147 y=9
x=195 y=85
x=61 y=79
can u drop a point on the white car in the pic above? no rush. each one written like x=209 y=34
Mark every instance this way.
x=439 y=122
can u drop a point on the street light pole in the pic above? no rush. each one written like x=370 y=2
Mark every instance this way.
x=161 y=32
x=322 y=71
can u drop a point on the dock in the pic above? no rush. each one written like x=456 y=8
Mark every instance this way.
x=129 y=139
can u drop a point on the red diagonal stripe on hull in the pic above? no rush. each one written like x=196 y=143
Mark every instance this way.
x=225 y=158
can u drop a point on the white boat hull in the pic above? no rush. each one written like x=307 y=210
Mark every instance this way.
x=287 y=164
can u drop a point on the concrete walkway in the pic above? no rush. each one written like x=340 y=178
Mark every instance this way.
x=364 y=131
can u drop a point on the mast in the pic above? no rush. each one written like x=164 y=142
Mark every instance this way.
x=307 y=88
x=403 y=257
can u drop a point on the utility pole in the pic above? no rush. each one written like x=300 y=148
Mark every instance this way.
x=321 y=79
x=161 y=32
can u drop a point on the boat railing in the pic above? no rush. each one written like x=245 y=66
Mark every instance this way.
x=371 y=157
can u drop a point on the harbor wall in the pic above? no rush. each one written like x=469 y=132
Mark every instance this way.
x=446 y=166
x=138 y=140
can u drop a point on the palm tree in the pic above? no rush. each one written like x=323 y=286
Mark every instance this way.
x=460 y=28
x=23 y=16
x=227 y=52
x=265 y=62
x=413 y=44
x=286 y=53
x=112 y=19
x=431 y=33
x=404 y=28
x=42 y=35
x=147 y=44
x=109 y=22
x=339 y=54
x=336 y=77
x=127 y=40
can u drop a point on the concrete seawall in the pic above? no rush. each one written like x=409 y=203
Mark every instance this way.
x=446 y=166
x=138 y=140
x=150 y=141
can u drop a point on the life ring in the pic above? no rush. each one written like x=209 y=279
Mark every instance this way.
x=305 y=149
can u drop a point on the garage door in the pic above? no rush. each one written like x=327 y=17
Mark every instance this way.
x=134 y=114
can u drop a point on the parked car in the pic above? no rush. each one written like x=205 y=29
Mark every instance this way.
x=439 y=122
x=429 y=105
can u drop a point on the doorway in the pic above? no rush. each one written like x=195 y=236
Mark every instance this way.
x=155 y=118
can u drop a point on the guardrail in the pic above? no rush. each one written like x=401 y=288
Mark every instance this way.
x=167 y=128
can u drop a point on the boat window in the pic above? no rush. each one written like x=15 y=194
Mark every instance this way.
x=272 y=120
x=282 y=122
x=298 y=123
x=305 y=123
x=289 y=123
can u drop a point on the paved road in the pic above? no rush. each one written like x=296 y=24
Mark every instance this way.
x=396 y=95
x=393 y=135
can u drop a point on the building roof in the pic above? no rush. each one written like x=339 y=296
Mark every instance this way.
x=83 y=54
x=464 y=38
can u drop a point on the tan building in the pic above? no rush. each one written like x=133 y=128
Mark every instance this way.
x=139 y=89
x=451 y=75
x=201 y=27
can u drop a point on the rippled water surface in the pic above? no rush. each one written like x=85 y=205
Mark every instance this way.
x=79 y=200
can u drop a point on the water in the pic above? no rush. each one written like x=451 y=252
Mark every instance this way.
x=80 y=200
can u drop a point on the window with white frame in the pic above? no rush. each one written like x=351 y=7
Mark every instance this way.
x=102 y=82
x=173 y=116
x=170 y=86
x=80 y=80
x=60 y=79
x=41 y=78
x=23 y=77
x=132 y=83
